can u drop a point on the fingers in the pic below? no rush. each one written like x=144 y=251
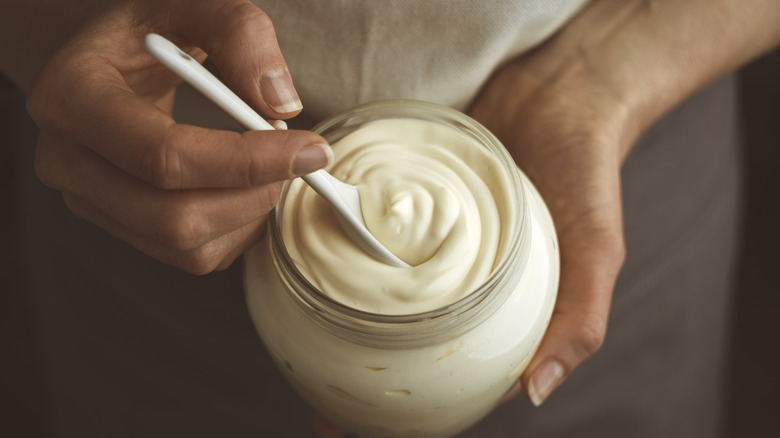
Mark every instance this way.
x=581 y=186
x=83 y=95
x=143 y=140
x=241 y=40
x=216 y=254
x=590 y=261
x=196 y=230
x=190 y=157
x=192 y=197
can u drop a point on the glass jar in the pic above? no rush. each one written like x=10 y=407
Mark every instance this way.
x=430 y=374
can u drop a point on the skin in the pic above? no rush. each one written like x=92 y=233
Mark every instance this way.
x=190 y=197
x=568 y=111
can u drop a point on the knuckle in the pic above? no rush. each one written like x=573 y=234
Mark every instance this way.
x=49 y=102
x=43 y=99
x=272 y=162
x=34 y=103
x=74 y=206
x=224 y=265
x=611 y=246
x=256 y=175
x=262 y=171
x=591 y=333
x=182 y=227
x=161 y=164
x=43 y=167
x=616 y=249
x=200 y=261
x=247 y=19
x=255 y=170
x=252 y=18
x=270 y=196
x=53 y=163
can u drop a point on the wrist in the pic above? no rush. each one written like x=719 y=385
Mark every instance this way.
x=598 y=109
x=653 y=55
x=636 y=60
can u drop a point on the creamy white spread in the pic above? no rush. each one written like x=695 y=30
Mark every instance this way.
x=430 y=193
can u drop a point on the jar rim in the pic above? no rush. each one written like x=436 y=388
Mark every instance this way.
x=402 y=326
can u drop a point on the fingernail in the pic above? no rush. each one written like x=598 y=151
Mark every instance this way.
x=312 y=157
x=278 y=90
x=546 y=378
x=280 y=125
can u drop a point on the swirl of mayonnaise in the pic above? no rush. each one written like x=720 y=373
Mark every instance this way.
x=431 y=194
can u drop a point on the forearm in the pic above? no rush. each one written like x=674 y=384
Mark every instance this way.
x=646 y=56
x=32 y=30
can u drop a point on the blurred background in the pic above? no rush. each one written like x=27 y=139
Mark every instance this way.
x=754 y=385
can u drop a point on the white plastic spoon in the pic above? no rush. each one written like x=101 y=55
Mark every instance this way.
x=344 y=198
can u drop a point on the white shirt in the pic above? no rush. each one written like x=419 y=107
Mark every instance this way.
x=346 y=52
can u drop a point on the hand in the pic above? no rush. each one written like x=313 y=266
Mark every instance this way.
x=190 y=197
x=569 y=111
x=570 y=142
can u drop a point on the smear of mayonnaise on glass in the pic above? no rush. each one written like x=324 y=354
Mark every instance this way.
x=431 y=194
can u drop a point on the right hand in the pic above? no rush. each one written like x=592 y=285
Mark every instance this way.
x=191 y=197
x=569 y=136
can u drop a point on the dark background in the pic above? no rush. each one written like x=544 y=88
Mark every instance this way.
x=754 y=385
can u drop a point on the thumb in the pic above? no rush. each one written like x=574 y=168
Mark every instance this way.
x=589 y=268
x=241 y=40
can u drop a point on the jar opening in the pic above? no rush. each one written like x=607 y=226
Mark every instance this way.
x=402 y=329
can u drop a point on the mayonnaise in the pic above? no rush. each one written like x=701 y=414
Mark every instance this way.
x=431 y=194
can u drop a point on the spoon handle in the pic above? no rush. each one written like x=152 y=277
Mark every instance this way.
x=204 y=81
